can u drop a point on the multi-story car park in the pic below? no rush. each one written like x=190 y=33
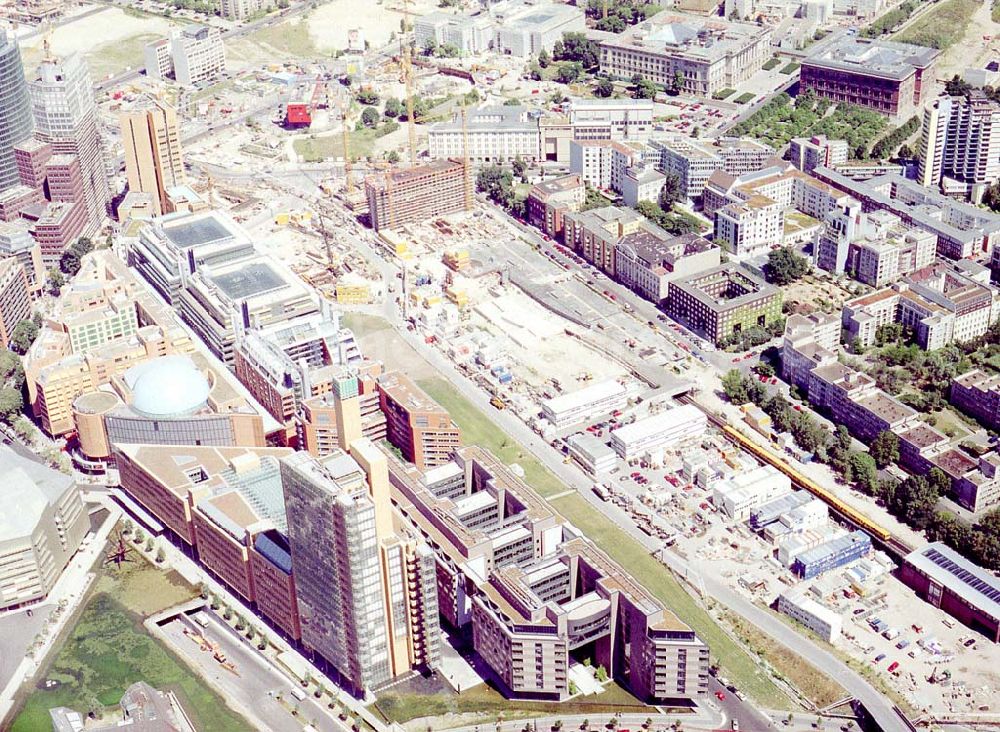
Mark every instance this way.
x=723 y=301
x=947 y=580
x=536 y=594
x=704 y=55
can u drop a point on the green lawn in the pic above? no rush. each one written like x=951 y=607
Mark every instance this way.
x=724 y=93
x=362 y=324
x=772 y=63
x=940 y=27
x=317 y=148
x=108 y=649
x=791 y=68
x=478 y=429
x=291 y=37
x=744 y=97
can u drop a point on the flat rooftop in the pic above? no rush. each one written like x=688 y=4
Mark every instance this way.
x=255 y=278
x=186 y=233
x=886 y=59
x=971 y=583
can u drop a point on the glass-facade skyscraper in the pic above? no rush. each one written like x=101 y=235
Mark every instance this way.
x=15 y=108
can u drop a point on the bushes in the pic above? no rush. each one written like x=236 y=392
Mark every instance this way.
x=725 y=93
x=942 y=26
x=890 y=21
x=771 y=63
x=744 y=98
x=888 y=144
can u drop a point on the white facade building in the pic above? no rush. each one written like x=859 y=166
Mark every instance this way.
x=495 y=135
x=820 y=619
x=667 y=428
x=578 y=406
x=739 y=495
x=193 y=55
x=591 y=454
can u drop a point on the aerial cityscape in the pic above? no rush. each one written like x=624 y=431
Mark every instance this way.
x=499 y=365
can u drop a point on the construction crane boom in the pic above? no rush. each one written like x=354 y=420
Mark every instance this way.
x=348 y=168
x=408 y=79
x=466 y=172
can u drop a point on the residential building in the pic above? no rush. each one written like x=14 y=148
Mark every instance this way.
x=17 y=243
x=243 y=9
x=693 y=161
x=698 y=55
x=940 y=303
x=168 y=250
x=603 y=163
x=489 y=135
x=195 y=54
x=365 y=585
x=647 y=262
x=418 y=426
x=15 y=298
x=641 y=183
x=153 y=162
x=411 y=195
x=749 y=228
x=886 y=76
x=103 y=323
x=963 y=231
x=594 y=234
x=821 y=620
x=549 y=202
x=518 y=579
x=978 y=394
x=946 y=579
x=651 y=434
x=960 y=145
x=852 y=399
x=577 y=407
x=808 y=153
x=877 y=248
x=222 y=301
x=40 y=531
x=15 y=109
x=810 y=341
x=723 y=301
x=65 y=115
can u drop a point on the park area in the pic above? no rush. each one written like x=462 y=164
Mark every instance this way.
x=940 y=27
x=106 y=649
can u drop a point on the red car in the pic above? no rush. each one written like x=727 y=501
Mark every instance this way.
x=720 y=695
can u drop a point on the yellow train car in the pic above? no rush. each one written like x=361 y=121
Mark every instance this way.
x=848 y=512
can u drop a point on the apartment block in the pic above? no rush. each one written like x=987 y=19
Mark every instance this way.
x=193 y=55
x=17 y=243
x=886 y=76
x=941 y=304
x=594 y=234
x=153 y=162
x=415 y=424
x=549 y=202
x=641 y=183
x=809 y=153
x=810 y=341
x=876 y=248
x=703 y=55
x=693 y=161
x=243 y=9
x=963 y=231
x=723 y=301
x=533 y=594
x=15 y=298
x=647 y=262
x=960 y=145
x=852 y=399
x=978 y=394
x=411 y=195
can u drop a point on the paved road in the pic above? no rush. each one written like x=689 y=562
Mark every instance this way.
x=255 y=689
x=17 y=632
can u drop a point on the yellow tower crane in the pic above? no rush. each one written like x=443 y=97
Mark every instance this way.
x=407 y=60
x=466 y=171
x=348 y=168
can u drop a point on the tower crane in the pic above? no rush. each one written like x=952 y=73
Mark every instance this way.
x=407 y=60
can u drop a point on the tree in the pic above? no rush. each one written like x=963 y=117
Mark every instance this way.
x=569 y=72
x=577 y=47
x=367 y=95
x=11 y=403
x=392 y=157
x=544 y=59
x=734 y=387
x=520 y=168
x=604 y=88
x=939 y=481
x=784 y=266
x=601 y=674
x=370 y=117
x=24 y=334
x=991 y=197
x=393 y=107
x=671 y=191
x=864 y=470
x=885 y=448
x=645 y=89
x=160 y=555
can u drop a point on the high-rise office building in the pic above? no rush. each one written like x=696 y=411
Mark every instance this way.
x=960 y=144
x=15 y=109
x=366 y=591
x=65 y=116
x=152 y=143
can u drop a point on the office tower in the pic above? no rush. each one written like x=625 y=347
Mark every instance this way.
x=960 y=144
x=15 y=298
x=152 y=143
x=366 y=590
x=65 y=117
x=418 y=426
x=15 y=109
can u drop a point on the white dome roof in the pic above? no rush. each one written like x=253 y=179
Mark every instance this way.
x=167 y=386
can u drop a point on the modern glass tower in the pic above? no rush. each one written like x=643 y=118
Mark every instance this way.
x=15 y=108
